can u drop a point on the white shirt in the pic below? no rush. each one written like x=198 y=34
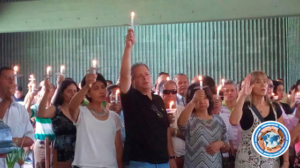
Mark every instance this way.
x=17 y=118
x=95 y=140
x=180 y=100
x=290 y=121
x=178 y=143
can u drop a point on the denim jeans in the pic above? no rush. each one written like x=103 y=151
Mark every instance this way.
x=133 y=164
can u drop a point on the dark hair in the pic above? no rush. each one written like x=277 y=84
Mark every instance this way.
x=297 y=84
x=137 y=65
x=100 y=78
x=163 y=73
x=180 y=74
x=192 y=90
x=19 y=88
x=109 y=81
x=292 y=88
x=110 y=88
x=276 y=84
x=59 y=100
x=210 y=82
x=162 y=83
x=5 y=69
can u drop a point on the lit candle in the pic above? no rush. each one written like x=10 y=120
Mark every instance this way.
x=274 y=97
x=168 y=78
x=201 y=82
x=218 y=91
x=31 y=79
x=298 y=94
x=223 y=82
x=132 y=19
x=171 y=105
x=289 y=96
x=48 y=71
x=33 y=88
x=94 y=64
x=16 y=69
x=117 y=95
x=62 y=69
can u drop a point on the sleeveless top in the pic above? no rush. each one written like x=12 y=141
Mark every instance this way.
x=246 y=156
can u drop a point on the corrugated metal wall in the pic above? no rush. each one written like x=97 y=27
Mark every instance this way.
x=229 y=49
x=293 y=48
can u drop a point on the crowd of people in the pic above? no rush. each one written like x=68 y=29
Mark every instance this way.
x=177 y=123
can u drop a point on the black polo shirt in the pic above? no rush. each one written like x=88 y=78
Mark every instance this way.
x=146 y=124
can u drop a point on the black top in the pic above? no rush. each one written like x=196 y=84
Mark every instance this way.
x=247 y=119
x=287 y=109
x=65 y=136
x=146 y=124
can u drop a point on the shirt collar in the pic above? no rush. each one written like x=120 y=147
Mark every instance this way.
x=179 y=96
x=224 y=104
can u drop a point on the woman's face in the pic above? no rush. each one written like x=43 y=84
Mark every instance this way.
x=97 y=92
x=260 y=86
x=279 y=92
x=270 y=87
x=69 y=93
x=202 y=104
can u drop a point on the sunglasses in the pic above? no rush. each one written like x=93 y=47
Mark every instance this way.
x=170 y=91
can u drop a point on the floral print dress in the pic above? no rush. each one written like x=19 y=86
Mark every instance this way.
x=65 y=136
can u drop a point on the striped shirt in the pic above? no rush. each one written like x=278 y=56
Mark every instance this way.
x=43 y=126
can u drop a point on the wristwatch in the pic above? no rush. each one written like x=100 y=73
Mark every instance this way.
x=172 y=157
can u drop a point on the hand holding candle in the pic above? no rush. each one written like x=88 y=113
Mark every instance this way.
x=48 y=70
x=223 y=82
x=171 y=110
x=168 y=78
x=94 y=65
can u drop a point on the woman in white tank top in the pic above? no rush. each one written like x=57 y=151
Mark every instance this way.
x=99 y=140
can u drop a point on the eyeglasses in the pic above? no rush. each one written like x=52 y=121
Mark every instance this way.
x=270 y=86
x=170 y=91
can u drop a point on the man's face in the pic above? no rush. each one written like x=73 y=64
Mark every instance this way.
x=169 y=93
x=18 y=94
x=141 y=78
x=230 y=93
x=182 y=84
x=6 y=78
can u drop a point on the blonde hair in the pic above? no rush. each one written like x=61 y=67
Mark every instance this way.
x=254 y=76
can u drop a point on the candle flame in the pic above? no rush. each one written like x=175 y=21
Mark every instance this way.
x=289 y=96
x=118 y=91
x=94 y=63
x=132 y=14
x=219 y=87
x=273 y=94
x=48 y=69
x=168 y=78
x=200 y=78
x=171 y=104
x=298 y=94
x=62 y=68
x=16 y=68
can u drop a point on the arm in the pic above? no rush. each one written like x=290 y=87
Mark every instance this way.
x=125 y=77
x=60 y=79
x=43 y=111
x=172 y=162
x=119 y=148
x=76 y=102
x=186 y=114
x=27 y=141
x=179 y=133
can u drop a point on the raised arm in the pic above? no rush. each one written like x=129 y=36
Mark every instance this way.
x=29 y=97
x=186 y=113
x=78 y=98
x=125 y=76
x=60 y=79
x=43 y=111
x=237 y=112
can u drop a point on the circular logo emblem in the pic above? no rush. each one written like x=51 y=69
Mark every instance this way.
x=271 y=139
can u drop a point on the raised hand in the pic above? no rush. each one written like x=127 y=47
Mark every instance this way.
x=60 y=79
x=247 y=88
x=90 y=79
x=130 y=38
x=199 y=95
x=47 y=85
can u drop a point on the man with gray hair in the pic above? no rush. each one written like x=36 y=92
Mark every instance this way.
x=230 y=95
x=148 y=142
x=182 y=82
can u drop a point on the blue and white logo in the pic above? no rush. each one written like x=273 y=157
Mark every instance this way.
x=271 y=139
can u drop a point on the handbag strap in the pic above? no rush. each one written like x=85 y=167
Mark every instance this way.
x=257 y=113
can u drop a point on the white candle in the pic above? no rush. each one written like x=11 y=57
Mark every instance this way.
x=94 y=64
x=31 y=78
x=48 y=70
x=201 y=82
x=218 y=91
x=132 y=19
x=171 y=105
x=16 y=69
x=223 y=82
x=62 y=69
x=117 y=95
x=33 y=88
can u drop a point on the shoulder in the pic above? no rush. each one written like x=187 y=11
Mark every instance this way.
x=277 y=109
x=113 y=114
x=218 y=118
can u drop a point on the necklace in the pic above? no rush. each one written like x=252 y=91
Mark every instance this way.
x=101 y=114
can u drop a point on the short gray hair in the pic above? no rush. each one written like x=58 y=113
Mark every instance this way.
x=162 y=84
x=180 y=74
x=231 y=82
x=137 y=65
